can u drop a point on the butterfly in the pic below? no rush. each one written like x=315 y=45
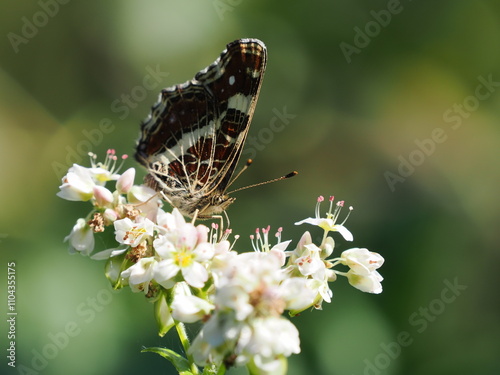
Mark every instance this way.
x=192 y=140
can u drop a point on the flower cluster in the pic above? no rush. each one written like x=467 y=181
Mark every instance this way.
x=192 y=273
x=311 y=261
x=251 y=294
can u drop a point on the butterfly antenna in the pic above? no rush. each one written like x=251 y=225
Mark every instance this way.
x=289 y=175
x=247 y=164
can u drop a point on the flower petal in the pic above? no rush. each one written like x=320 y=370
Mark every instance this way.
x=343 y=231
x=195 y=275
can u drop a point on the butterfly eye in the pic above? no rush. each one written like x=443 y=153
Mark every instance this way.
x=218 y=199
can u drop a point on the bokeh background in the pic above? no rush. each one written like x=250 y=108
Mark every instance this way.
x=364 y=86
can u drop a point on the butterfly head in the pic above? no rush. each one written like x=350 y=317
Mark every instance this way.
x=202 y=207
x=216 y=204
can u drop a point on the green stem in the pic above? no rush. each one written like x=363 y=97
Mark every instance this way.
x=324 y=238
x=181 y=331
x=222 y=370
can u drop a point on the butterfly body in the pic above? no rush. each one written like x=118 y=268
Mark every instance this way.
x=193 y=138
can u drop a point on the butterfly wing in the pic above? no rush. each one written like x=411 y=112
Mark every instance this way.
x=235 y=83
x=192 y=140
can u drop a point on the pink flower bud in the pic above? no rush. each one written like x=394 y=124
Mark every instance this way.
x=110 y=215
x=125 y=181
x=102 y=196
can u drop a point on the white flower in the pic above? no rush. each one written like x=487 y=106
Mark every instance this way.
x=132 y=233
x=223 y=255
x=195 y=276
x=140 y=274
x=278 y=251
x=250 y=284
x=217 y=339
x=234 y=298
x=361 y=261
x=188 y=308
x=306 y=239
x=363 y=264
x=251 y=295
x=297 y=294
x=366 y=283
x=329 y=223
x=103 y=172
x=306 y=258
x=314 y=293
x=81 y=238
x=261 y=343
x=78 y=184
x=322 y=290
x=265 y=341
x=101 y=175
x=260 y=275
x=223 y=252
x=167 y=221
x=310 y=263
x=184 y=250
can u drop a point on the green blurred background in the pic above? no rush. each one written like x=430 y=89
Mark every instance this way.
x=364 y=85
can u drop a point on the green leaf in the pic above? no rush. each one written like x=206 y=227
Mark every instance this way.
x=180 y=363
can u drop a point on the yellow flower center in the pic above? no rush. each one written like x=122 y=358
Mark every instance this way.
x=183 y=258
x=135 y=232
